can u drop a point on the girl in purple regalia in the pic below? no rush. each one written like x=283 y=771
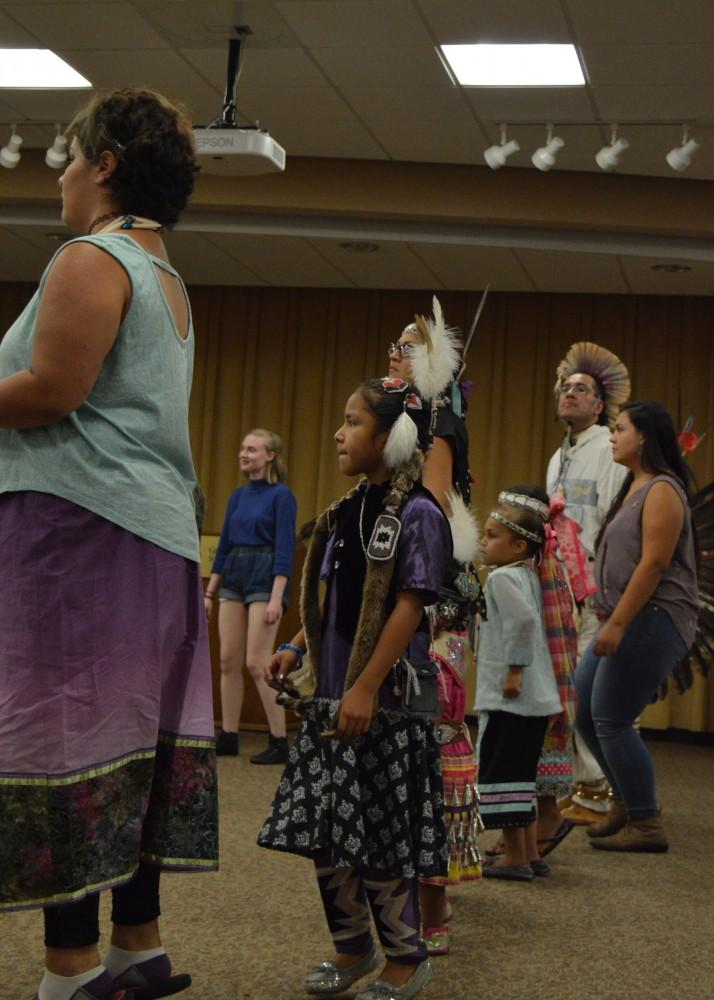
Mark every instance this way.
x=362 y=794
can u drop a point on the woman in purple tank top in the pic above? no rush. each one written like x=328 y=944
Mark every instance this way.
x=645 y=569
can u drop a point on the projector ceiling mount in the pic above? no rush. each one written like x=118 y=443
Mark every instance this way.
x=226 y=147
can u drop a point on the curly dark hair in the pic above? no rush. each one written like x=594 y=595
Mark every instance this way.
x=153 y=142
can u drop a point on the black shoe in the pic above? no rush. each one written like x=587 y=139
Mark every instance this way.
x=227 y=744
x=276 y=752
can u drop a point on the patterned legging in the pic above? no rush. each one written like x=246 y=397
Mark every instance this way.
x=350 y=894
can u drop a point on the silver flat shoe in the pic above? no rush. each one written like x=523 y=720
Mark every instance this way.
x=378 y=989
x=327 y=980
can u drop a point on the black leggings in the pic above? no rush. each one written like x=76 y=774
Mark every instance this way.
x=76 y=925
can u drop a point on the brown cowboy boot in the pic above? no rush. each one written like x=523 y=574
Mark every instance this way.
x=644 y=836
x=612 y=822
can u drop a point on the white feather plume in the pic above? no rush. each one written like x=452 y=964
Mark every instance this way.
x=434 y=365
x=402 y=441
x=464 y=530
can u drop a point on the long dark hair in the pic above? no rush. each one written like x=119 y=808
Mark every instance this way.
x=661 y=453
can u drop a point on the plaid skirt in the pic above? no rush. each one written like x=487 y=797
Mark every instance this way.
x=107 y=752
x=375 y=801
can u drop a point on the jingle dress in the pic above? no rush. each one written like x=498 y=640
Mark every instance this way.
x=452 y=623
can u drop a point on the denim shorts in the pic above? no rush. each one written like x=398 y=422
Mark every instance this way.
x=248 y=575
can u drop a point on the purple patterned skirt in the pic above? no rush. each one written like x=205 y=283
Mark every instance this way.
x=106 y=720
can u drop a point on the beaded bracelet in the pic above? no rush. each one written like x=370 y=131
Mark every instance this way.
x=294 y=648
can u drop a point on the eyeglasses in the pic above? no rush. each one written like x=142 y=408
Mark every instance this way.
x=577 y=387
x=405 y=350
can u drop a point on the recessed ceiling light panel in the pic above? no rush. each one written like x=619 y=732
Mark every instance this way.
x=37 y=69
x=484 y=65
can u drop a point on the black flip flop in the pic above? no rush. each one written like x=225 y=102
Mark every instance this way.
x=552 y=842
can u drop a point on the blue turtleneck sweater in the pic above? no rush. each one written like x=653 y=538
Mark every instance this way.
x=260 y=513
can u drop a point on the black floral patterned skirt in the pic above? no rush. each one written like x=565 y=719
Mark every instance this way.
x=374 y=801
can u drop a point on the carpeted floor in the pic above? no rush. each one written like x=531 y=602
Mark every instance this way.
x=601 y=926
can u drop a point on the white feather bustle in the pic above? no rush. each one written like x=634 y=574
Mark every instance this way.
x=402 y=441
x=464 y=530
x=433 y=366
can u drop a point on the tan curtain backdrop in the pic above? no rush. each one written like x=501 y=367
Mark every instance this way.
x=288 y=359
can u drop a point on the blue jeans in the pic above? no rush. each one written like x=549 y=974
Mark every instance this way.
x=613 y=690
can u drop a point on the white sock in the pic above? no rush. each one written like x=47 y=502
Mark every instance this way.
x=118 y=960
x=54 y=987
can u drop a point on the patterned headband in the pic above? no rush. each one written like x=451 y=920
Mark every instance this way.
x=525 y=503
x=519 y=529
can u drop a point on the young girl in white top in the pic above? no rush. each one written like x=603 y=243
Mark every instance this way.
x=516 y=690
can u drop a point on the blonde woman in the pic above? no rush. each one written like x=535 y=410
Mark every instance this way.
x=250 y=579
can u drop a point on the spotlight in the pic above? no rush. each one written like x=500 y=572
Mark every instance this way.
x=10 y=154
x=496 y=156
x=680 y=157
x=56 y=155
x=544 y=157
x=609 y=156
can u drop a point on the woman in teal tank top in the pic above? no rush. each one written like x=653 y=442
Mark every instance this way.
x=107 y=754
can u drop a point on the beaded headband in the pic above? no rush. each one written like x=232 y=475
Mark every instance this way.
x=525 y=503
x=519 y=529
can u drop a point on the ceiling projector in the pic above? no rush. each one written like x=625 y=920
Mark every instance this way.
x=237 y=151
x=227 y=147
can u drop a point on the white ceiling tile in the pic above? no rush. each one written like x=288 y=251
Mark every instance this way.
x=201 y=262
x=644 y=281
x=285 y=261
x=210 y=23
x=643 y=103
x=12 y=35
x=543 y=104
x=345 y=138
x=472 y=268
x=379 y=66
x=555 y=271
x=409 y=104
x=460 y=21
x=393 y=265
x=644 y=65
x=642 y=21
x=262 y=68
x=169 y=74
x=47 y=105
x=84 y=26
x=354 y=23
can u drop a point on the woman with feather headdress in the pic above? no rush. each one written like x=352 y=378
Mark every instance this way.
x=428 y=353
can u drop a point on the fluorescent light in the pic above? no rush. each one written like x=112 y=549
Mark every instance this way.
x=515 y=65
x=37 y=69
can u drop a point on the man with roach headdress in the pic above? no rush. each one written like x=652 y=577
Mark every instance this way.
x=582 y=481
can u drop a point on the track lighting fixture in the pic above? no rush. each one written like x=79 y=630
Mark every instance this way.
x=609 y=156
x=10 y=154
x=496 y=156
x=680 y=157
x=56 y=155
x=544 y=157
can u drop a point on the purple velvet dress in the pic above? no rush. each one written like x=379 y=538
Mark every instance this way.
x=374 y=801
